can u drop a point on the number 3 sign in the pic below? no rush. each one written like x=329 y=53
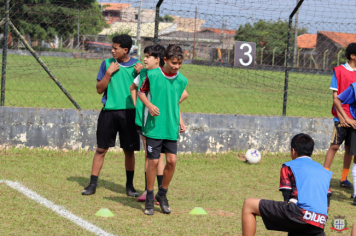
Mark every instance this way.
x=245 y=54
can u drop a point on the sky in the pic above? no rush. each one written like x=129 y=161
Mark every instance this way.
x=316 y=15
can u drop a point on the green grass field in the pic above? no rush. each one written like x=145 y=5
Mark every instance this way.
x=218 y=183
x=211 y=89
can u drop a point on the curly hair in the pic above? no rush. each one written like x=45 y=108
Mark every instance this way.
x=351 y=49
x=124 y=40
x=174 y=51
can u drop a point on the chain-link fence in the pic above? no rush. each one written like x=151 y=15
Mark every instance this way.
x=236 y=55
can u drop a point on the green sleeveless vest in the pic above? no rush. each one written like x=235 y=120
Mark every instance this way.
x=140 y=108
x=118 y=91
x=165 y=94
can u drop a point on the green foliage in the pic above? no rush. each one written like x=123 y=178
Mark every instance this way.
x=46 y=19
x=166 y=18
x=267 y=35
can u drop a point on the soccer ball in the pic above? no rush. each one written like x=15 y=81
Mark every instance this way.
x=253 y=156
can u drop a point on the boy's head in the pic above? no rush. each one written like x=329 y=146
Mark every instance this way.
x=121 y=46
x=153 y=56
x=302 y=145
x=350 y=52
x=173 y=57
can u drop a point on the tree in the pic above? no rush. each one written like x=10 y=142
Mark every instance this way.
x=166 y=18
x=268 y=35
x=47 y=19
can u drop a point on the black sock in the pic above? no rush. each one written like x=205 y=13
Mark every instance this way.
x=93 y=179
x=162 y=191
x=150 y=194
x=145 y=182
x=159 y=180
x=129 y=178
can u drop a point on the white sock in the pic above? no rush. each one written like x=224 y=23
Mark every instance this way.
x=354 y=177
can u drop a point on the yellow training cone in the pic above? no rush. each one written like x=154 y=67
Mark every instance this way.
x=104 y=212
x=198 y=211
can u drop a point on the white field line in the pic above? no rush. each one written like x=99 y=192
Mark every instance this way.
x=58 y=209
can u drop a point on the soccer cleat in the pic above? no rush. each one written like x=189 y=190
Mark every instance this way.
x=163 y=201
x=143 y=197
x=149 y=208
x=346 y=184
x=91 y=189
x=131 y=191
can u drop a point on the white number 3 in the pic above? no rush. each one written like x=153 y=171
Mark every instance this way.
x=248 y=53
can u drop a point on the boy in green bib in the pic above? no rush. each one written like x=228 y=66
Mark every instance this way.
x=153 y=60
x=162 y=122
x=118 y=114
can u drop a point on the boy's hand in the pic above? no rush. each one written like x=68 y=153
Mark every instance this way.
x=154 y=111
x=181 y=126
x=351 y=122
x=138 y=67
x=114 y=66
x=343 y=122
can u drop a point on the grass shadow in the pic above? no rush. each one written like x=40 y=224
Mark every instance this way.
x=338 y=193
x=109 y=185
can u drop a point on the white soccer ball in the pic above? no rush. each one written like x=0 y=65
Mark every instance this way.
x=253 y=156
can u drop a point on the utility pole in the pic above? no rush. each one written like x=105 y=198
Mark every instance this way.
x=78 y=29
x=195 y=31
x=295 y=38
x=138 y=38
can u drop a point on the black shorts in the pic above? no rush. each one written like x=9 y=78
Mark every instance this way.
x=282 y=216
x=122 y=121
x=352 y=146
x=139 y=129
x=340 y=134
x=157 y=146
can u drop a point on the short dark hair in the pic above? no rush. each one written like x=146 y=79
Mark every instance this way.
x=174 y=51
x=303 y=144
x=351 y=49
x=156 y=51
x=124 y=40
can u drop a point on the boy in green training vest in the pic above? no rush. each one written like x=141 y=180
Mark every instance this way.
x=153 y=60
x=162 y=122
x=118 y=114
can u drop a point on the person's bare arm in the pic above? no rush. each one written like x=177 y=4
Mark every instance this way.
x=346 y=118
x=184 y=96
x=181 y=123
x=102 y=85
x=133 y=91
x=153 y=110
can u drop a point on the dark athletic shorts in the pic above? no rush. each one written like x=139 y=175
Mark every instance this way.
x=282 y=216
x=139 y=129
x=352 y=146
x=157 y=146
x=122 y=121
x=341 y=134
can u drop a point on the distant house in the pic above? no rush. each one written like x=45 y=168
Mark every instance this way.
x=227 y=37
x=329 y=45
x=188 y=24
x=307 y=45
x=147 y=29
x=123 y=12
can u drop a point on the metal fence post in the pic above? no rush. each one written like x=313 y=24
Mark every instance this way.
x=286 y=78
x=155 y=39
x=4 y=53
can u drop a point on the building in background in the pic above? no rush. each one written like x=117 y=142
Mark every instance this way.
x=123 y=12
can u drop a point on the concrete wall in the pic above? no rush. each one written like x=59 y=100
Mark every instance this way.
x=72 y=129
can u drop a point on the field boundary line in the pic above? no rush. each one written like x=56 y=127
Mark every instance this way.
x=58 y=209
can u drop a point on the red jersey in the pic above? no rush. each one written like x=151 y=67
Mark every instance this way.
x=344 y=78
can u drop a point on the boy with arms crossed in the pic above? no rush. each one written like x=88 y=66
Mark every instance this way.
x=118 y=114
x=349 y=97
x=153 y=60
x=343 y=76
x=305 y=185
x=161 y=125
